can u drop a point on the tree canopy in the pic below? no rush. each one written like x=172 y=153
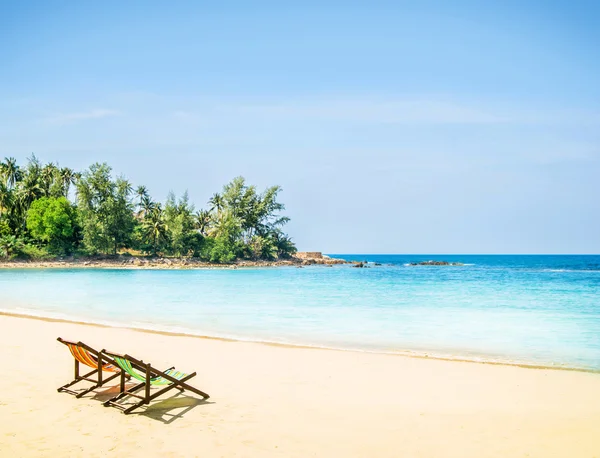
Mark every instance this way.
x=52 y=220
x=55 y=211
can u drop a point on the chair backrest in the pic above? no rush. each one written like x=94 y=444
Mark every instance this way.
x=137 y=369
x=85 y=355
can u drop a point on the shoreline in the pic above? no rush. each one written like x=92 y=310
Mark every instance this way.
x=398 y=353
x=163 y=263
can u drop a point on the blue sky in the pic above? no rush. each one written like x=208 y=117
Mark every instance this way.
x=393 y=127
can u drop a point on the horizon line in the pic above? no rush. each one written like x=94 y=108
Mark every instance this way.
x=459 y=254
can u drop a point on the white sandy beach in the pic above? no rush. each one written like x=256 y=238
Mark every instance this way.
x=280 y=401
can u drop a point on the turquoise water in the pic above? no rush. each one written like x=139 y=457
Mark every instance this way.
x=529 y=309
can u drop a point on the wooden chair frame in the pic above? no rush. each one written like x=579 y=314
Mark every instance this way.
x=102 y=361
x=150 y=373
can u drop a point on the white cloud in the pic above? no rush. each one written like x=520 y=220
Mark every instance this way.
x=97 y=113
x=392 y=111
x=188 y=116
x=409 y=111
x=567 y=152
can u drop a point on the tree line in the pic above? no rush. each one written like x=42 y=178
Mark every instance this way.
x=47 y=210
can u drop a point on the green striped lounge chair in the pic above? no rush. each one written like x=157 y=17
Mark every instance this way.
x=148 y=377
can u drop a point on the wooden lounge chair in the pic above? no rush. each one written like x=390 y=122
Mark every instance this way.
x=86 y=355
x=148 y=376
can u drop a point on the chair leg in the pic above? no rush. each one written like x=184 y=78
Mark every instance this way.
x=122 y=382
x=147 y=393
x=99 y=384
x=128 y=410
x=147 y=398
x=83 y=393
x=185 y=386
x=124 y=393
x=112 y=377
x=78 y=378
x=181 y=385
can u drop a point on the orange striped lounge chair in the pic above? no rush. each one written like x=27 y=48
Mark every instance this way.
x=99 y=362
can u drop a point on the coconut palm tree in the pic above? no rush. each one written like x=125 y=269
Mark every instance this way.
x=226 y=224
x=9 y=244
x=68 y=177
x=48 y=175
x=143 y=196
x=6 y=198
x=146 y=206
x=217 y=203
x=124 y=187
x=30 y=190
x=283 y=243
x=155 y=229
x=203 y=220
x=10 y=172
x=141 y=191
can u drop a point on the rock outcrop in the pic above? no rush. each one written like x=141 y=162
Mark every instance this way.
x=308 y=258
x=309 y=255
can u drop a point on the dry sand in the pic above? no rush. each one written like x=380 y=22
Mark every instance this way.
x=278 y=401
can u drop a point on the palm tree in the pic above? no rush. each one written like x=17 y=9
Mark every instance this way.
x=216 y=202
x=142 y=193
x=10 y=172
x=146 y=206
x=29 y=190
x=226 y=224
x=203 y=221
x=47 y=176
x=283 y=243
x=68 y=177
x=124 y=186
x=10 y=244
x=155 y=228
x=6 y=198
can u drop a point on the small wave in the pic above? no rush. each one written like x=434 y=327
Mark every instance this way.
x=408 y=264
x=571 y=270
x=183 y=331
x=57 y=316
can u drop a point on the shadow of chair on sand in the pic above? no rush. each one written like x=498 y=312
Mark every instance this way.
x=164 y=410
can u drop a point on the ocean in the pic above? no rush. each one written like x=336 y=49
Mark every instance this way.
x=539 y=310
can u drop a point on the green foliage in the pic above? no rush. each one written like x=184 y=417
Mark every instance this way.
x=29 y=251
x=109 y=215
x=4 y=228
x=105 y=210
x=21 y=186
x=262 y=248
x=251 y=222
x=180 y=221
x=10 y=245
x=222 y=251
x=52 y=220
x=154 y=236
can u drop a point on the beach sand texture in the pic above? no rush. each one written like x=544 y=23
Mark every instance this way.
x=279 y=401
